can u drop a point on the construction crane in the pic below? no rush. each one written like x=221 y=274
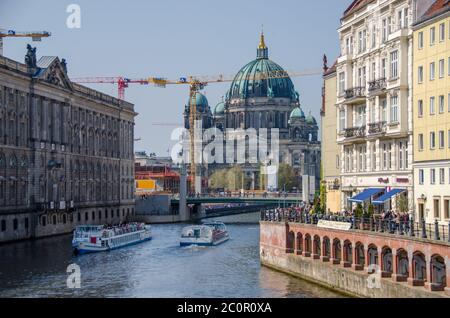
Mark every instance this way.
x=196 y=84
x=122 y=82
x=34 y=35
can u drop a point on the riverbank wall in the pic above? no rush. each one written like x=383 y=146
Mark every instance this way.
x=297 y=249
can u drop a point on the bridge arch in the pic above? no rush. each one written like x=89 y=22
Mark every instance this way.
x=359 y=255
x=372 y=255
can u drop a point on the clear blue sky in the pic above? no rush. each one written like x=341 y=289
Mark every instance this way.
x=174 y=38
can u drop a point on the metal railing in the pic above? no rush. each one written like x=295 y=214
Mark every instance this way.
x=355 y=92
x=377 y=128
x=377 y=84
x=405 y=228
x=355 y=132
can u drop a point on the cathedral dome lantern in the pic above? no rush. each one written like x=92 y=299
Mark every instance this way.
x=261 y=78
x=310 y=120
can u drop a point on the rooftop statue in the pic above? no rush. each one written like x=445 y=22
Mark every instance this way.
x=30 y=57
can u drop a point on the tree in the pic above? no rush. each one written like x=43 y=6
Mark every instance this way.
x=359 y=210
x=402 y=203
x=370 y=209
x=286 y=177
x=218 y=179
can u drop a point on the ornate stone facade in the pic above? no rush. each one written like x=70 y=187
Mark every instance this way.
x=66 y=151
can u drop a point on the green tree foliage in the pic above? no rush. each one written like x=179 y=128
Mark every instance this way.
x=402 y=203
x=359 y=210
x=286 y=177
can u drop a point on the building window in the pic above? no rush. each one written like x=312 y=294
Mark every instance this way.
x=447 y=208
x=341 y=83
x=442 y=176
x=394 y=109
x=448 y=66
x=362 y=41
x=441 y=139
x=421 y=177
x=432 y=71
x=432 y=140
x=437 y=212
x=337 y=162
x=420 y=108
x=15 y=224
x=3 y=225
x=441 y=104
x=383 y=68
x=432 y=106
x=374 y=157
x=384 y=30
x=342 y=125
x=441 y=68
x=402 y=156
x=27 y=225
x=432 y=36
x=420 y=40
x=420 y=142
x=442 y=32
x=420 y=74
x=374 y=35
x=432 y=176
x=394 y=64
x=383 y=110
x=448 y=135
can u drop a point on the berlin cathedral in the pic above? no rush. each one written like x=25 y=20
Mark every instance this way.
x=257 y=100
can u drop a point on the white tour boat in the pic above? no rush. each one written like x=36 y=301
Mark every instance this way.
x=206 y=234
x=99 y=238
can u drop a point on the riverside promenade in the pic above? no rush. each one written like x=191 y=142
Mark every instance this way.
x=360 y=257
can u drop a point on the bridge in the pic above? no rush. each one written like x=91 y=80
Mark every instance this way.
x=256 y=200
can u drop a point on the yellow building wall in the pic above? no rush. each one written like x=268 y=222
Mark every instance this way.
x=334 y=200
x=439 y=86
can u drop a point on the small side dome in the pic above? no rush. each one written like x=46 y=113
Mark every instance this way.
x=219 y=109
x=200 y=101
x=310 y=120
x=297 y=113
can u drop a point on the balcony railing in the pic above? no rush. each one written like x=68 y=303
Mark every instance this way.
x=355 y=132
x=355 y=92
x=378 y=84
x=377 y=128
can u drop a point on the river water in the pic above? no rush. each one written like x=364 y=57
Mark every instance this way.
x=158 y=268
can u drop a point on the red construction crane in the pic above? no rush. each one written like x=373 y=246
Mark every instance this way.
x=122 y=82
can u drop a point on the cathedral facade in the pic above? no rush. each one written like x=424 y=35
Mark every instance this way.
x=262 y=96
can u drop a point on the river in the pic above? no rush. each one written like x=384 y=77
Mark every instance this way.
x=158 y=268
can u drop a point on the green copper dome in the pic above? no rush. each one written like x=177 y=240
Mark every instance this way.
x=201 y=102
x=219 y=109
x=311 y=120
x=256 y=79
x=297 y=112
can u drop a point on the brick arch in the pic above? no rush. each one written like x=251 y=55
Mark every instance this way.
x=307 y=244
x=360 y=257
x=419 y=266
x=437 y=271
x=290 y=241
x=372 y=255
x=299 y=243
x=326 y=247
x=316 y=247
x=386 y=260
x=337 y=251
x=402 y=264
x=347 y=251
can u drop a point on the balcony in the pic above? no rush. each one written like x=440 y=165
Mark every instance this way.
x=355 y=94
x=377 y=128
x=355 y=132
x=377 y=86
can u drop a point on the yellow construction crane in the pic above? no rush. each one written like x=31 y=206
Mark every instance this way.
x=34 y=35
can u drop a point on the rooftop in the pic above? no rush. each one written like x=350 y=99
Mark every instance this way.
x=437 y=8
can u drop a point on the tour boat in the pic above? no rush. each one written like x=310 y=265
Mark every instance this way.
x=206 y=234
x=99 y=238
